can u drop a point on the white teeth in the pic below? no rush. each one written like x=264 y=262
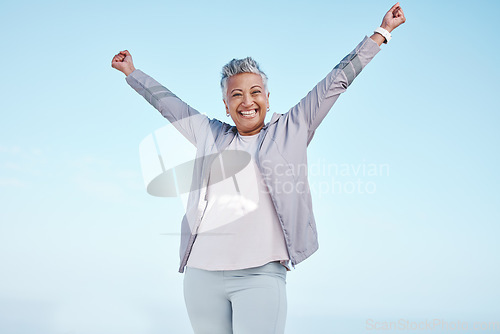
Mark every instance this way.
x=248 y=112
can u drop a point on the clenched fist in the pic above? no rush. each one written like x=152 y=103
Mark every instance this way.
x=393 y=18
x=122 y=61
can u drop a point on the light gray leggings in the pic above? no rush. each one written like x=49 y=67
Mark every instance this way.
x=245 y=301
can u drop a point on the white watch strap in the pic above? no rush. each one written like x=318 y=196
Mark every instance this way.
x=385 y=33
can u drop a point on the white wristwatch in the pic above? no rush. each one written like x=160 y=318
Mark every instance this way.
x=385 y=33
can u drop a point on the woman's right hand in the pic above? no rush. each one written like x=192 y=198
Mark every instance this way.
x=122 y=61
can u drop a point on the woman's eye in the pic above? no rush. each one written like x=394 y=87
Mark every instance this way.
x=237 y=94
x=256 y=92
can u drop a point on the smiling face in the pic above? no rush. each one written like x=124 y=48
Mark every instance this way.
x=247 y=102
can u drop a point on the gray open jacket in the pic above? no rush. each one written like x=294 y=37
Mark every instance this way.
x=283 y=143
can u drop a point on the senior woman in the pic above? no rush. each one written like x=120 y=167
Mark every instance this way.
x=249 y=215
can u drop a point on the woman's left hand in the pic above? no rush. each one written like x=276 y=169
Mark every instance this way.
x=393 y=18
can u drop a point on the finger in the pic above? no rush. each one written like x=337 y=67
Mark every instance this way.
x=401 y=14
x=394 y=7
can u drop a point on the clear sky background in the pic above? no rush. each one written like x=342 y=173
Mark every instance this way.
x=85 y=250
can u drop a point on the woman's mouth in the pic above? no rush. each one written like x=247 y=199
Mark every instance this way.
x=248 y=113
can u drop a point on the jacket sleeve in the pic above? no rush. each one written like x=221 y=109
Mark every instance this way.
x=187 y=120
x=313 y=108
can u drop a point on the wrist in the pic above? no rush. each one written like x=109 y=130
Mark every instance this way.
x=386 y=27
x=129 y=70
x=386 y=35
x=379 y=39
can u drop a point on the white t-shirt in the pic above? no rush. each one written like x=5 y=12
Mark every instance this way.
x=240 y=228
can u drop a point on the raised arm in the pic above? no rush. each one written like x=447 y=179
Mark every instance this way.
x=187 y=120
x=313 y=108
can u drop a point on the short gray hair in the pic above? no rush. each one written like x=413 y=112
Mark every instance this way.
x=237 y=66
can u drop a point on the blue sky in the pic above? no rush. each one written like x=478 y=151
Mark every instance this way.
x=84 y=248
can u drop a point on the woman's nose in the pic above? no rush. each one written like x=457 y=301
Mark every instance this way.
x=247 y=100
